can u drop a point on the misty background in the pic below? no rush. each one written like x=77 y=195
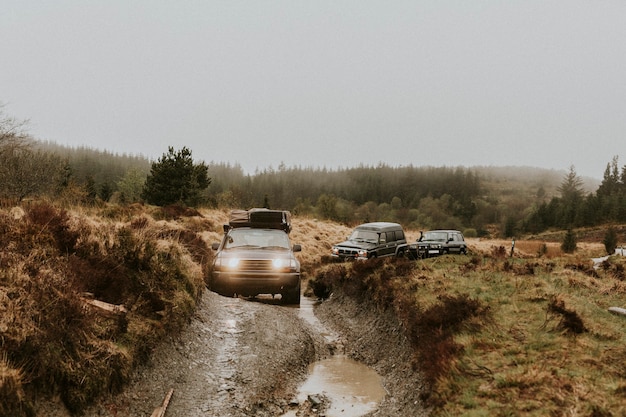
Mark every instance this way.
x=324 y=84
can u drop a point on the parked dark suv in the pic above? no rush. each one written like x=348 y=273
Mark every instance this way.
x=256 y=257
x=438 y=242
x=371 y=240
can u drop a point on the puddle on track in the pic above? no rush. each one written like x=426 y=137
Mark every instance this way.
x=351 y=388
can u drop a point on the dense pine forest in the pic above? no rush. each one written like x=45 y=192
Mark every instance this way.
x=506 y=201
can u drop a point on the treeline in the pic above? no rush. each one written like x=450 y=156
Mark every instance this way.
x=574 y=208
x=508 y=201
x=407 y=195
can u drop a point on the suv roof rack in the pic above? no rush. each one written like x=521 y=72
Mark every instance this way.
x=260 y=218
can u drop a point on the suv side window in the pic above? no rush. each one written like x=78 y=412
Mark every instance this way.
x=382 y=237
x=391 y=237
x=399 y=235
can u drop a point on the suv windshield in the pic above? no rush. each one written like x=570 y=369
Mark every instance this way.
x=256 y=238
x=364 y=236
x=438 y=236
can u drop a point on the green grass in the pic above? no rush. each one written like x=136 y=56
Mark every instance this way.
x=529 y=358
x=535 y=339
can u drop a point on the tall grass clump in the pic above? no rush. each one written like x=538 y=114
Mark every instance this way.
x=14 y=401
x=55 y=341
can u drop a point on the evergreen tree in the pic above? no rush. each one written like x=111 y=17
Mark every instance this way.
x=569 y=244
x=106 y=191
x=571 y=198
x=131 y=185
x=611 y=181
x=175 y=179
x=509 y=227
x=609 y=193
x=610 y=240
x=327 y=206
x=90 y=189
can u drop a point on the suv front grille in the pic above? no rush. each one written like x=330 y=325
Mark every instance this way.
x=255 y=265
x=347 y=252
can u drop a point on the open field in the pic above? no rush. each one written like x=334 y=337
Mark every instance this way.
x=499 y=335
x=493 y=334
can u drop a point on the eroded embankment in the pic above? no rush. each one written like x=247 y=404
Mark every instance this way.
x=375 y=338
x=247 y=358
x=236 y=358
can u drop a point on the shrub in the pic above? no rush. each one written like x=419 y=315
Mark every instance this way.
x=434 y=330
x=470 y=233
x=498 y=251
x=543 y=250
x=327 y=279
x=12 y=392
x=570 y=320
x=569 y=244
x=610 y=240
x=55 y=222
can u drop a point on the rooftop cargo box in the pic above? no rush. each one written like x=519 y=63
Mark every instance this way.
x=261 y=218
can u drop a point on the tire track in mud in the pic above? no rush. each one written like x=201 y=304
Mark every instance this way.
x=242 y=358
x=236 y=358
x=231 y=317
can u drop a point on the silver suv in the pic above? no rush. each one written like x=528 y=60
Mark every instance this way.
x=438 y=242
x=256 y=257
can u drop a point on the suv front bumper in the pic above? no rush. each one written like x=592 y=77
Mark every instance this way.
x=249 y=284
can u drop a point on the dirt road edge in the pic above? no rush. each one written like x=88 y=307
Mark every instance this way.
x=375 y=338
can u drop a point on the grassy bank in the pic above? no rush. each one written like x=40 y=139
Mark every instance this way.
x=495 y=335
x=59 y=267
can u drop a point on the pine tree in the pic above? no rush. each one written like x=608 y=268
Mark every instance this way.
x=569 y=244
x=610 y=240
x=175 y=179
x=571 y=198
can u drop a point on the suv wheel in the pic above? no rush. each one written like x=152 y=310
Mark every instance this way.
x=292 y=296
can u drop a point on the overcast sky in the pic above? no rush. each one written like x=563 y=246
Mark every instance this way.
x=321 y=83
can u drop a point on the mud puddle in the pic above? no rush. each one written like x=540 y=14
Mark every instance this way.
x=348 y=388
x=340 y=385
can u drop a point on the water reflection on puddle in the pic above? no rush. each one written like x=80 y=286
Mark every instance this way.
x=351 y=388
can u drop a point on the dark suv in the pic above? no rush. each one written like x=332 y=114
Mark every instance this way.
x=371 y=240
x=438 y=242
x=256 y=257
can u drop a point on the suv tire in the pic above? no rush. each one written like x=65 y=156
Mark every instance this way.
x=292 y=296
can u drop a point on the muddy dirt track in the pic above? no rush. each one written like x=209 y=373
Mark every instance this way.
x=248 y=358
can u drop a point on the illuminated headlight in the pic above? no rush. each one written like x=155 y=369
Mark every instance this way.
x=229 y=263
x=283 y=263
x=362 y=253
x=334 y=251
x=436 y=246
x=278 y=263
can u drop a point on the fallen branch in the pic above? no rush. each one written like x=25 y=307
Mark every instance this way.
x=106 y=309
x=160 y=411
x=618 y=310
